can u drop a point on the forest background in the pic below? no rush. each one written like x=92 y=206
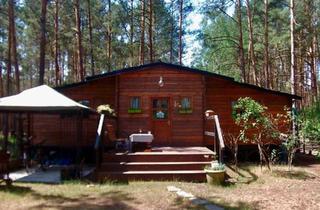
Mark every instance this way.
x=270 y=43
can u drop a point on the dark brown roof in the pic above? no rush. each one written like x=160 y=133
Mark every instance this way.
x=170 y=65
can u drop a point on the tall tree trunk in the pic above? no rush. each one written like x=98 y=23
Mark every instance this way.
x=292 y=51
x=109 y=35
x=90 y=38
x=1 y=80
x=240 y=40
x=310 y=11
x=142 y=28
x=267 y=82
x=131 y=33
x=180 y=30
x=42 y=41
x=8 y=84
x=81 y=72
x=251 y=45
x=314 y=67
x=14 y=44
x=171 y=31
x=56 y=47
x=293 y=59
x=151 y=31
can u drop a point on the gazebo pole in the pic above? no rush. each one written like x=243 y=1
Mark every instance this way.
x=5 y=131
x=29 y=127
x=20 y=134
x=79 y=135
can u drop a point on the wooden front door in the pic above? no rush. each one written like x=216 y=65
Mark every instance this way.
x=161 y=121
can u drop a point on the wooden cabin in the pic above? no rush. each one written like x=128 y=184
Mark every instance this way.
x=168 y=100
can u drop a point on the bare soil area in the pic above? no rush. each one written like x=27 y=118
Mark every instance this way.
x=249 y=188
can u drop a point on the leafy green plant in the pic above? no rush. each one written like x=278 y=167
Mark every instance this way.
x=134 y=111
x=185 y=111
x=216 y=167
x=290 y=140
x=309 y=121
x=255 y=125
x=13 y=146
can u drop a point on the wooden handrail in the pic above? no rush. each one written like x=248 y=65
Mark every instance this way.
x=220 y=137
x=99 y=130
x=219 y=131
x=97 y=145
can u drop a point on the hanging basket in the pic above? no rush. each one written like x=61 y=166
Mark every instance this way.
x=106 y=109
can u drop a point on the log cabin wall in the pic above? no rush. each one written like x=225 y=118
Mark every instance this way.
x=61 y=130
x=185 y=129
x=221 y=93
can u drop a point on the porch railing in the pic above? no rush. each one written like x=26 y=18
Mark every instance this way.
x=217 y=135
x=98 y=143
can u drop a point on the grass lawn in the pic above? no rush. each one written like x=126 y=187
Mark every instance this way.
x=253 y=189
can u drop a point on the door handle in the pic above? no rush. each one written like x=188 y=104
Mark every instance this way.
x=169 y=123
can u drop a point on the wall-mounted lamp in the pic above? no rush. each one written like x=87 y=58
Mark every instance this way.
x=209 y=114
x=161 y=82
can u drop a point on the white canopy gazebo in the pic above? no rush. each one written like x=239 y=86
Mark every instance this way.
x=43 y=99
x=39 y=99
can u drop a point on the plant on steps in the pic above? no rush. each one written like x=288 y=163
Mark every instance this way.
x=215 y=173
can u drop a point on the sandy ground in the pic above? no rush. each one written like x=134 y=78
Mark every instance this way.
x=251 y=189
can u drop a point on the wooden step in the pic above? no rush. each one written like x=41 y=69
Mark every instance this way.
x=152 y=166
x=180 y=175
x=157 y=157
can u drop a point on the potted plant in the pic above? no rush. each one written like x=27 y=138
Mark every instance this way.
x=215 y=173
x=106 y=109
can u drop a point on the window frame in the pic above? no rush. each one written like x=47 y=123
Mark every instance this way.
x=187 y=110
x=131 y=108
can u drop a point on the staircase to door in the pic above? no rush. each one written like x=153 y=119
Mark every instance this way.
x=163 y=163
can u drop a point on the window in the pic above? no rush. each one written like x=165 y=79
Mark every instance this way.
x=135 y=105
x=160 y=108
x=185 y=105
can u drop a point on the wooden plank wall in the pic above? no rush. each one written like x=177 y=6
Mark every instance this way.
x=62 y=130
x=221 y=93
x=207 y=92
x=187 y=129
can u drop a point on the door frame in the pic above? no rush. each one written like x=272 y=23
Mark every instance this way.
x=151 y=120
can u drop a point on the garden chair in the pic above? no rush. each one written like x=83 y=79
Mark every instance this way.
x=119 y=143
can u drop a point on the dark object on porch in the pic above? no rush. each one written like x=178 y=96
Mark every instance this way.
x=4 y=168
x=117 y=143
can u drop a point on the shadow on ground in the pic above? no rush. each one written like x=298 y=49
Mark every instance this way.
x=302 y=175
x=16 y=190
x=242 y=175
x=110 y=200
x=181 y=203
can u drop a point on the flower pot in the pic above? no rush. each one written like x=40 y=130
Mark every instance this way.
x=215 y=177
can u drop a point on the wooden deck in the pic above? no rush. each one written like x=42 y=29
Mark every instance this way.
x=159 y=163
